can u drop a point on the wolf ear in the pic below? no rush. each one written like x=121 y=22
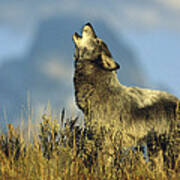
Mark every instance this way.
x=108 y=63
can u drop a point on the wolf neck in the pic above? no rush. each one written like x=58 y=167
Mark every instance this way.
x=89 y=72
x=90 y=81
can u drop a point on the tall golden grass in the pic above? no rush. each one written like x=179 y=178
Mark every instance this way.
x=58 y=149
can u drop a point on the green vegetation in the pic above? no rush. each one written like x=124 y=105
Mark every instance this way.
x=51 y=151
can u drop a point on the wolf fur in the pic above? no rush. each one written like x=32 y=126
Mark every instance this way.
x=102 y=98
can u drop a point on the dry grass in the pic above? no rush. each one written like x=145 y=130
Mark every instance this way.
x=56 y=152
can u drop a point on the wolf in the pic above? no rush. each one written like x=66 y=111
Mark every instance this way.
x=101 y=97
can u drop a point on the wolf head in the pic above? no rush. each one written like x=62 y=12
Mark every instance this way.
x=89 y=47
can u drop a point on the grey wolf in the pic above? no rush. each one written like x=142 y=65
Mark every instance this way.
x=102 y=98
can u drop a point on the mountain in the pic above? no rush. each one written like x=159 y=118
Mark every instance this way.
x=46 y=72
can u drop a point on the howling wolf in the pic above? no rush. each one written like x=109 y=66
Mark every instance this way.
x=102 y=98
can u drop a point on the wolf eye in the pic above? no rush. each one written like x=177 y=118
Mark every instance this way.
x=98 y=41
x=86 y=29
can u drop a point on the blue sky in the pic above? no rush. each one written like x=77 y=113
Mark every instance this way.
x=160 y=56
x=12 y=43
x=152 y=28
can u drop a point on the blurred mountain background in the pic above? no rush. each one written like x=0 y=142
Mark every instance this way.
x=36 y=51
